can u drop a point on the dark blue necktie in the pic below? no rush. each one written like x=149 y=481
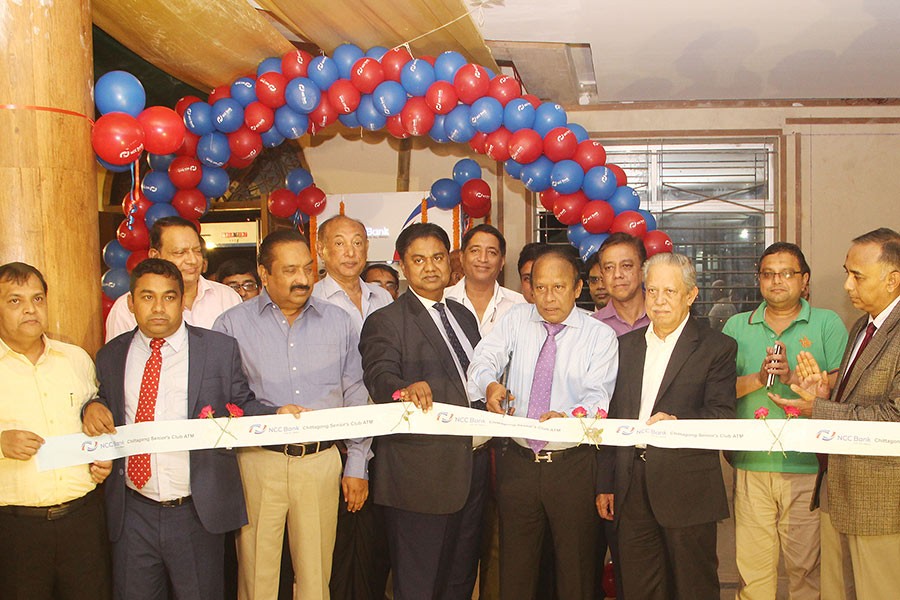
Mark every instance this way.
x=455 y=344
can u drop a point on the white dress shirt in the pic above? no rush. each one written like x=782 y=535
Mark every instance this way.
x=373 y=298
x=879 y=321
x=659 y=352
x=502 y=300
x=170 y=472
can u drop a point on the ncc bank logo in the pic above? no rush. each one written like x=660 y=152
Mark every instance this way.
x=88 y=446
x=625 y=430
x=826 y=435
x=445 y=417
x=258 y=428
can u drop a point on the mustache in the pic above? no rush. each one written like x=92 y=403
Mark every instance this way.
x=301 y=286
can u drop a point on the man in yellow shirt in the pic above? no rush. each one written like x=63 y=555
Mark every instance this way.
x=53 y=541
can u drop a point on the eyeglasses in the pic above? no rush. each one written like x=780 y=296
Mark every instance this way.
x=247 y=286
x=769 y=275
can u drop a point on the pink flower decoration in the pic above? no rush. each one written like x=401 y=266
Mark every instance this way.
x=761 y=413
x=602 y=414
x=234 y=410
x=396 y=395
x=792 y=411
x=579 y=412
x=207 y=412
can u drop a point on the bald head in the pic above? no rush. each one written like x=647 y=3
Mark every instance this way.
x=343 y=246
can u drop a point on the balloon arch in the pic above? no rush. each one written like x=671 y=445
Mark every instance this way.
x=443 y=97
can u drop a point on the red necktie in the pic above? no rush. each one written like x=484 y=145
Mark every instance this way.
x=139 y=464
x=870 y=331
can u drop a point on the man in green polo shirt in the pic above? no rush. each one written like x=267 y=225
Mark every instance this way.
x=773 y=489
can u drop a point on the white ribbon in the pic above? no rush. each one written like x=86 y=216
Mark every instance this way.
x=800 y=435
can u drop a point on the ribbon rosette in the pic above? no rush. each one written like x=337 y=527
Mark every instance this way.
x=762 y=412
x=592 y=434
x=234 y=410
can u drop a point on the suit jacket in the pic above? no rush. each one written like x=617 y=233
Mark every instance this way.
x=400 y=345
x=215 y=377
x=864 y=491
x=684 y=485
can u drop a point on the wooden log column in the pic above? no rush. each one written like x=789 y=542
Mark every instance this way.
x=48 y=180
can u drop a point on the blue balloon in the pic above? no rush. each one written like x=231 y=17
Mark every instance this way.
x=567 y=177
x=490 y=73
x=457 y=125
x=214 y=182
x=290 y=124
x=466 y=169
x=547 y=116
x=323 y=71
x=160 y=162
x=115 y=282
x=298 y=179
x=345 y=56
x=513 y=168
x=114 y=255
x=536 y=175
x=437 y=132
x=119 y=91
x=228 y=115
x=376 y=52
x=349 y=120
x=599 y=183
x=244 y=90
x=486 y=114
x=447 y=64
x=269 y=65
x=445 y=193
x=576 y=233
x=271 y=138
x=368 y=115
x=591 y=244
x=198 y=118
x=624 y=198
x=649 y=218
x=302 y=95
x=157 y=212
x=518 y=114
x=390 y=98
x=580 y=132
x=416 y=77
x=157 y=187
x=213 y=149
x=111 y=167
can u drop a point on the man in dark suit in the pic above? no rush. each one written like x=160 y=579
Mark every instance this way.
x=167 y=514
x=666 y=501
x=431 y=487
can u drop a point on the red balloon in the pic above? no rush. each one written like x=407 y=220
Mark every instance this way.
x=393 y=62
x=428 y=58
x=395 y=128
x=497 y=144
x=441 y=97
x=163 y=129
x=476 y=198
x=135 y=259
x=560 y=144
x=184 y=102
x=135 y=238
x=258 y=117
x=630 y=222
x=568 y=207
x=366 y=74
x=282 y=203
x=548 y=198
x=118 y=138
x=416 y=117
x=619 y=172
x=590 y=154
x=478 y=141
x=311 y=200
x=504 y=88
x=270 y=89
x=185 y=172
x=107 y=304
x=534 y=100
x=295 y=64
x=223 y=91
x=190 y=204
x=245 y=144
x=471 y=82
x=597 y=216
x=322 y=116
x=343 y=96
x=138 y=202
x=235 y=162
x=189 y=146
x=657 y=241
x=525 y=146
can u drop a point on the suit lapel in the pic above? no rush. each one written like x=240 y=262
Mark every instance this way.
x=118 y=356
x=460 y=313
x=872 y=349
x=683 y=350
x=196 y=361
x=637 y=377
x=430 y=332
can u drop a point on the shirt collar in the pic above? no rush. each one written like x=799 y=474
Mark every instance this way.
x=177 y=340
x=672 y=338
x=429 y=303
x=457 y=291
x=609 y=311
x=883 y=315
x=330 y=287
x=264 y=301
x=203 y=286
x=572 y=320
x=50 y=345
x=759 y=314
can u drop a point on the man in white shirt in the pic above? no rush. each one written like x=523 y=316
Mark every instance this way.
x=483 y=257
x=176 y=240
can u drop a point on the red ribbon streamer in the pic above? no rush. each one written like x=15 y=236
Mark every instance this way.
x=61 y=111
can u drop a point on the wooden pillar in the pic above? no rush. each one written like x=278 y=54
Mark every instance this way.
x=48 y=181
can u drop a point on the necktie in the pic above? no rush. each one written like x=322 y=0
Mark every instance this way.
x=542 y=384
x=139 y=464
x=451 y=335
x=870 y=331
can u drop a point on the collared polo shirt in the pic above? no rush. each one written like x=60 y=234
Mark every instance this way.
x=609 y=316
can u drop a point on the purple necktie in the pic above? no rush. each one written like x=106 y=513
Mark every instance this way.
x=542 y=384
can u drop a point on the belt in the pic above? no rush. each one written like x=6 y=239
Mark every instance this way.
x=544 y=455
x=48 y=513
x=640 y=453
x=300 y=450
x=164 y=503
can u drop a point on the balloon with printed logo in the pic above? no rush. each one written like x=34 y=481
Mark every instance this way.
x=619 y=172
x=368 y=115
x=395 y=127
x=416 y=117
x=513 y=168
x=290 y=124
x=548 y=116
x=311 y=201
x=119 y=91
x=478 y=141
x=349 y=120
x=135 y=237
x=345 y=56
x=566 y=177
x=222 y=91
x=581 y=134
x=441 y=97
x=497 y=144
x=518 y=114
x=597 y=216
x=298 y=179
x=245 y=144
x=258 y=117
x=590 y=245
x=599 y=183
x=389 y=97
x=624 y=198
x=157 y=186
x=112 y=168
x=532 y=99
x=160 y=162
x=486 y=114
x=163 y=129
x=575 y=233
x=198 y=118
x=560 y=144
x=115 y=282
x=184 y=102
x=213 y=150
x=135 y=259
x=376 y=52
x=437 y=132
x=568 y=208
x=190 y=204
x=457 y=125
x=536 y=175
x=270 y=89
x=135 y=204
x=590 y=154
x=465 y=170
x=504 y=88
x=185 y=172
x=302 y=95
x=189 y=146
x=343 y=96
x=416 y=77
x=271 y=64
x=366 y=75
x=114 y=255
x=324 y=115
x=476 y=198
x=648 y=218
x=244 y=90
x=271 y=138
x=295 y=64
x=525 y=146
x=630 y=222
x=656 y=242
x=159 y=211
x=235 y=162
x=282 y=203
x=548 y=198
x=445 y=193
x=214 y=182
x=471 y=83
x=228 y=115
x=393 y=62
x=117 y=138
x=447 y=64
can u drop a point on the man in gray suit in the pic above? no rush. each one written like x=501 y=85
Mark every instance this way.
x=168 y=516
x=864 y=491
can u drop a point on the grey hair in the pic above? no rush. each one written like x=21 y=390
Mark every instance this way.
x=688 y=272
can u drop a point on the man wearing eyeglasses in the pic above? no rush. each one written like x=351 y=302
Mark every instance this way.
x=621 y=258
x=240 y=275
x=773 y=489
